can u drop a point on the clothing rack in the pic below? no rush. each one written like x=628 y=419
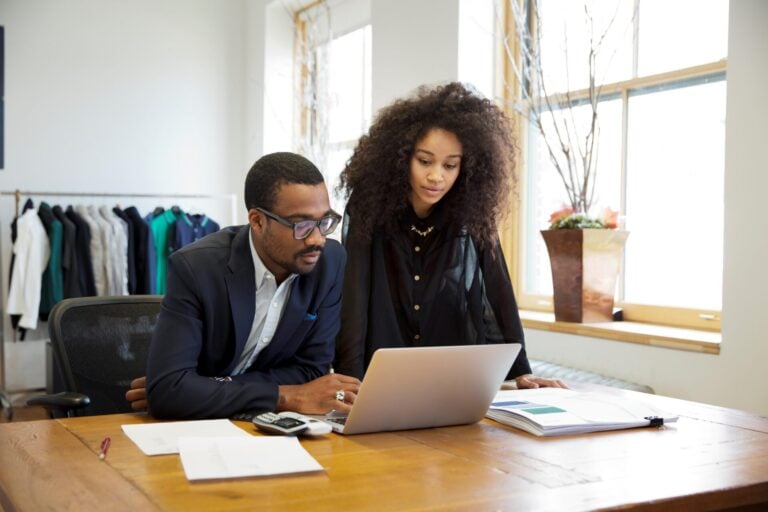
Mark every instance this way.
x=18 y=193
x=5 y=401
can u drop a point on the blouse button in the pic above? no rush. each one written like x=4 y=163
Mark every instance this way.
x=416 y=307
x=417 y=248
x=417 y=337
x=416 y=277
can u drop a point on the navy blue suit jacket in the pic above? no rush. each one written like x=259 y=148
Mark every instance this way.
x=205 y=320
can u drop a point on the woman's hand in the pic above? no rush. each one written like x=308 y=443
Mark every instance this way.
x=530 y=381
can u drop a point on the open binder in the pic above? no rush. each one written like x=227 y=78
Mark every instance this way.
x=554 y=411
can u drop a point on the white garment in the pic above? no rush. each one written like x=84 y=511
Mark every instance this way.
x=32 y=250
x=97 y=250
x=270 y=304
x=117 y=260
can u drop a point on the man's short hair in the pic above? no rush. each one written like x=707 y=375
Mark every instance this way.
x=273 y=170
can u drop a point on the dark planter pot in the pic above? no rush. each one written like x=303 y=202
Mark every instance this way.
x=585 y=264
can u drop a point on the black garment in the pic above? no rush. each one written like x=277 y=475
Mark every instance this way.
x=52 y=289
x=403 y=289
x=131 y=252
x=140 y=238
x=69 y=255
x=83 y=253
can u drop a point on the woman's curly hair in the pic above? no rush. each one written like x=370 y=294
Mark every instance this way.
x=376 y=178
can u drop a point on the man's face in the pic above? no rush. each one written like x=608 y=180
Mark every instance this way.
x=279 y=250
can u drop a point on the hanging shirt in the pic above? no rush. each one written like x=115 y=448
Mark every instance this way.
x=53 y=278
x=160 y=227
x=190 y=228
x=117 y=255
x=131 y=248
x=83 y=253
x=141 y=257
x=97 y=250
x=69 y=265
x=32 y=251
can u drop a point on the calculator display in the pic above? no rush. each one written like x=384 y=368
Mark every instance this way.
x=288 y=422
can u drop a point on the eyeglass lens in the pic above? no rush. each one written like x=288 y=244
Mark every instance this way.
x=303 y=229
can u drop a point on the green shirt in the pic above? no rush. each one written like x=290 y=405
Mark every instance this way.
x=161 y=226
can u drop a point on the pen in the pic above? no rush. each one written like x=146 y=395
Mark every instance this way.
x=104 y=448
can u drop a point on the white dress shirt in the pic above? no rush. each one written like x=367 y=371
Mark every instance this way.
x=270 y=304
x=117 y=261
x=97 y=250
x=32 y=250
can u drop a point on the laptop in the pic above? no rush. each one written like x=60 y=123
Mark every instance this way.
x=423 y=387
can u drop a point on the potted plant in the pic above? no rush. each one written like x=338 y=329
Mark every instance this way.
x=585 y=248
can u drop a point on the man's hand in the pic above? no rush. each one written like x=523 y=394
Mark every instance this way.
x=531 y=382
x=137 y=395
x=320 y=395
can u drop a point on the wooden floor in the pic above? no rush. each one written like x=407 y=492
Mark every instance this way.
x=23 y=413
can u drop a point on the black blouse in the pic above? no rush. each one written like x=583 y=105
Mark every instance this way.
x=425 y=284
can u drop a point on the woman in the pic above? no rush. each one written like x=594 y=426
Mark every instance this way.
x=427 y=186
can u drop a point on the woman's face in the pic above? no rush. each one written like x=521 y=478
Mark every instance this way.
x=435 y=165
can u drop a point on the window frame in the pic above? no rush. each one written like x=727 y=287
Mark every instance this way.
x=306 y=118
x=512 y=229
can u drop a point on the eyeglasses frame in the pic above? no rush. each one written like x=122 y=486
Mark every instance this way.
x=292 y=225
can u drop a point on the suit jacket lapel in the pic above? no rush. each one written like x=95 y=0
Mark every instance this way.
x=241 y=287
x=296 y=311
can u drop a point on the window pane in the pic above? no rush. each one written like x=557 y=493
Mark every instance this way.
x=681 y=34
x=349 y=85
x=568 y=28
x=545 y=191
x=675 y=168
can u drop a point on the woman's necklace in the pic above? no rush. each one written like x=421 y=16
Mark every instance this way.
x=422 y=233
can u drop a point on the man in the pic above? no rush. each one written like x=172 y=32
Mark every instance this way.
x=251 y=313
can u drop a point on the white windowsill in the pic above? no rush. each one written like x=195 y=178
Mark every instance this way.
x=629 y=332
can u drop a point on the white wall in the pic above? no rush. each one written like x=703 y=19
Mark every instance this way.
x=414 y=43
x=109 y=96
x=737 y=377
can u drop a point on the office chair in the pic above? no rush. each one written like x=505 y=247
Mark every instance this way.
x=99 y=345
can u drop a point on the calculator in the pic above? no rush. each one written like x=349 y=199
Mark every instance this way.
x=280 y=423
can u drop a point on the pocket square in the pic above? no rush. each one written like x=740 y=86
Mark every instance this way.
x=311 y=316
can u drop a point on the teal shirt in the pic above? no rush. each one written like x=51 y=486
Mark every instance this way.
x=52 y=289
x=160 y=227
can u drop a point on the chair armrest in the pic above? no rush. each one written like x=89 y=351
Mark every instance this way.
x=65 y=401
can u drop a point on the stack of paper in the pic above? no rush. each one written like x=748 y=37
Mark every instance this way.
x=554 y=411
x=212 y=449
x=233 y=457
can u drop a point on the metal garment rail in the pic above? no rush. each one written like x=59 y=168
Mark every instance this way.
x=5 y=401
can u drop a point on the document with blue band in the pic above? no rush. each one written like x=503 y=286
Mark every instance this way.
x=554 y=411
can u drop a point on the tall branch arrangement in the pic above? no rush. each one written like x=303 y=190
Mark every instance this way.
x=572 y=146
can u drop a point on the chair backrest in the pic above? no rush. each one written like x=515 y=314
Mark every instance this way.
x=100 y=344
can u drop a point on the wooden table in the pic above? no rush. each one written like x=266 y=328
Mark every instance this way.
x=712 y=459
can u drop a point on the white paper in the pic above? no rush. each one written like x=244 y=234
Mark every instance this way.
x=233 y=457
x=162 y=438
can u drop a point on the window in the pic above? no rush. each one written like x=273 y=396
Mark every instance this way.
x=661 y=150
x=335 y=89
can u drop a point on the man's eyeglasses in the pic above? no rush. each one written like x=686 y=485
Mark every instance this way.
x=304 y=228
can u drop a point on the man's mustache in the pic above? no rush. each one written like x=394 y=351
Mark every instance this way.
x=314 y=248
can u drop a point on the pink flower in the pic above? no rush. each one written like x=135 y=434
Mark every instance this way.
x=560 y=214
x=610 y=218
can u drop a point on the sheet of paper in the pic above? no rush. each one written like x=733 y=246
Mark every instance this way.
x=162 y=438
x=232 y=457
